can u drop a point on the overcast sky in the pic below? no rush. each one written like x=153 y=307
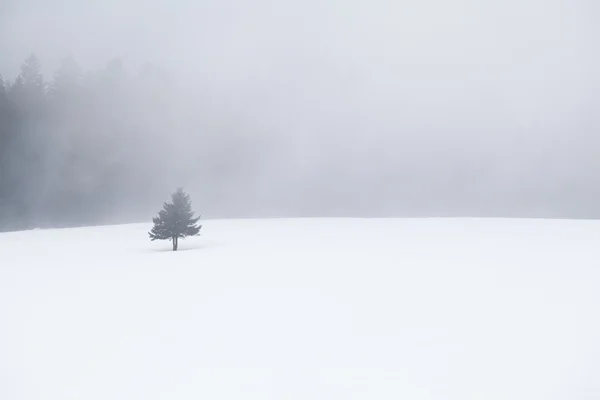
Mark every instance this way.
x=432 y=106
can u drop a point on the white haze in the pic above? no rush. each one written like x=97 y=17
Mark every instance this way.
x=353 y=108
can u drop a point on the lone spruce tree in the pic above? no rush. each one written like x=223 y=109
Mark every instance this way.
x=176 y=220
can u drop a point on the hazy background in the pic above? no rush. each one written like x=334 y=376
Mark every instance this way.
x=339 y=108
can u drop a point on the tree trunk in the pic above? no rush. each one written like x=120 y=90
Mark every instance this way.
x=175 y=243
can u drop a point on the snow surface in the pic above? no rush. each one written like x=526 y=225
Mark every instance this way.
x=304 y=309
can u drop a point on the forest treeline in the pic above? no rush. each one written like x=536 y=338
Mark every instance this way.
x=78 y=146
x=107 y=146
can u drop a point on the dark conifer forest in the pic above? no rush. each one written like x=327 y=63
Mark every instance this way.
x=106 y=143
x=93 y=147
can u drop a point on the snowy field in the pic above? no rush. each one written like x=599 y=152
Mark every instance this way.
x=445 y=309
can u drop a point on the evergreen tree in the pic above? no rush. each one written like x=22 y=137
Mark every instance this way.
x=12 y=205
x=5 y=116
x=32 y=75
x=33 y=143
x=176 y=220
x=5 y=133
x=2 y=88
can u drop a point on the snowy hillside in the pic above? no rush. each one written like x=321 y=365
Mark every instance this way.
x=463 y=309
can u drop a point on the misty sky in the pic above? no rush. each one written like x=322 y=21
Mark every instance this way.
x=398 y=107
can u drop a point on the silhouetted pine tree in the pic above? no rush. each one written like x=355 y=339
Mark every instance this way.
x=33 y=143
x=5 y=137
x=176 y=220
x=2 y=88
x=32 y=75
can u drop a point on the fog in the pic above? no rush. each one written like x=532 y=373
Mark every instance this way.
x=343 y=108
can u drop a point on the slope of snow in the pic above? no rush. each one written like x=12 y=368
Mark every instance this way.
x=304 y=309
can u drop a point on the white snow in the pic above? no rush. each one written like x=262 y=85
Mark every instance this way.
x=304 y=309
